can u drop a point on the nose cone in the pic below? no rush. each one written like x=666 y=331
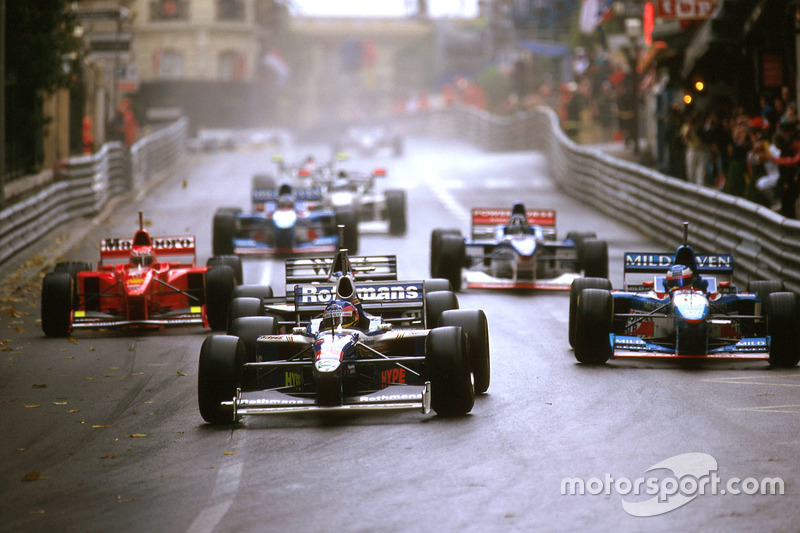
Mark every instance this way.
x=524 y=246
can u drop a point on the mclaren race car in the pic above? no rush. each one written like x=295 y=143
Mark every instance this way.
x=285 y=220
x=688 y=310
x=352 y=339
x=515 y=249
x=139 y=283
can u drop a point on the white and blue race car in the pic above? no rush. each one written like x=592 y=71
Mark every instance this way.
x=515 y=249
x=688 y=311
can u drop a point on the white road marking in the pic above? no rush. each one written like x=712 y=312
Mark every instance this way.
x=225 y=487
x=439 y=188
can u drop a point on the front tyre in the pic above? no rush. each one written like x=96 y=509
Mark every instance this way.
x=447 y=368
x=396 y=211
x=577 y=287
x=593 y=325
x=437 y=303
x=57 y=300
x=219 y=375
x=220 y=281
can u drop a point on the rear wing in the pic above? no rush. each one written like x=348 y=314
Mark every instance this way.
x=317 y=269
x=170 y=246
x=303 y=194
x=658 y=263
x=376 y=296
x=484 y=220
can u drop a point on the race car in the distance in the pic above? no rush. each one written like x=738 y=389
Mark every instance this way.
x=285 y=220
x=369 y=140
x=689 y=311
x=139 y=284
x=346 y=343
x=515 y=249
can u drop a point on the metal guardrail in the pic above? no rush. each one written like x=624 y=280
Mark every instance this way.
x=86 y=184
x=765 y=245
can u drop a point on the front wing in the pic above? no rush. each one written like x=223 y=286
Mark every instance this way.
x=754 y=348
x=481 y=280
x=194 y=315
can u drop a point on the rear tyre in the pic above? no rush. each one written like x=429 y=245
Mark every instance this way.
x=57 y=300
x=437 y=303
x=578 y=285
x=447 y=368
x=248 y=329
x=783 y=320
x=233 y=261
x=595 y=258
x=763 y=288
x=593 y=325
x=263 y=181
x=252 y=291
x=219 y=375
x=348 y=219
x=223 y=231
x=220 y=281
x=437 y=284
x=396 y=211
x=244 y=306
x=474 y=324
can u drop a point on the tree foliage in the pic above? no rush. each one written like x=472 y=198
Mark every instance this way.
x=39 y=37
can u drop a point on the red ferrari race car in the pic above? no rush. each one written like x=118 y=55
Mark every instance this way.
x=136 y=284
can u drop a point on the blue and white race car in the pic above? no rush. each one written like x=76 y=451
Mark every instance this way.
x=688 y=310
x=515 y=249
x=285 y=221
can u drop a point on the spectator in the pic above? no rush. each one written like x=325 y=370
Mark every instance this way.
x=788 y=162
x=736 y=175
x=674 y=157
x=695 y=149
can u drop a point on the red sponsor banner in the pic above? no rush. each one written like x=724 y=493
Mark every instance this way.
x=490 y=217
x=685 y=10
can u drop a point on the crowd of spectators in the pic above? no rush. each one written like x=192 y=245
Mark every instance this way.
x=754 y=156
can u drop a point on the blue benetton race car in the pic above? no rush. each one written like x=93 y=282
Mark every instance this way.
x=285 y=221
x=688 y=310
x=515 y=249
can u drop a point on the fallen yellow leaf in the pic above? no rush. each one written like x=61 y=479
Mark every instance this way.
x=137 y=435
x=99 y=426
x=32 y=406
x=33 y=475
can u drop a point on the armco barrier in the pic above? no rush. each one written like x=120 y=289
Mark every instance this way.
x=765 y=245
x=86 y=184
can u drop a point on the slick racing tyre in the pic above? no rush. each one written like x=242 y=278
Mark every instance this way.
x=447 y=368
x=396 y=211
x=437 y=303
x=224 y=230
x=219 y=375
x=57 y=299
x=437 y=284
x=595 y=258
x=436 y=239
x=782 y=327
x=348 y=219
x=252 y=291
x=72 y=268
x=244 y=306
x=451 y=256
x=263 y=181
x=248 y=329
x=474 y=324
x=578 y=285
x=220 y=281
x=593 y=325
x=233 y=261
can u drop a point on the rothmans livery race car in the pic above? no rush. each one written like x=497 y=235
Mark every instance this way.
x=138 y=283
x=285 y=220
x=688 y=310
x=515 y=249
x=344 y=342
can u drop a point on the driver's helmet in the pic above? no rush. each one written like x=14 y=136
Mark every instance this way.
x=339 y=313
x=679 y=276
x=142 y=256
x=517 y=225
